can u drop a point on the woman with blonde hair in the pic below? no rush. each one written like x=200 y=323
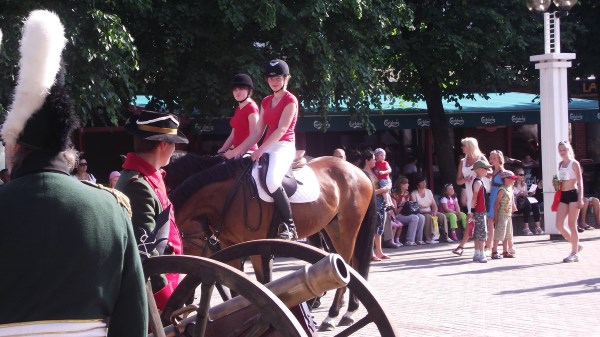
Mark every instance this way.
x=465 y=175
x=571 y=199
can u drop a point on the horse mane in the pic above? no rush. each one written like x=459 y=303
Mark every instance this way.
x=225 y=170
x=185 y=164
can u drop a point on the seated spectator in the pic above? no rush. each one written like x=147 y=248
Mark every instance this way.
x=81 y=172
x=113 y=178
x=410 y=167
x=428 y=207
x=450 y=207
x=528 y=162
x=413 y=222
x=595 y=202
x=525 y=205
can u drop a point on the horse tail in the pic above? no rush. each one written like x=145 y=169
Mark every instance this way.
x=364 y=241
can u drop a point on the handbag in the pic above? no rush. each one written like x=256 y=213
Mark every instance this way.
x=556 y=201
x=410 y=207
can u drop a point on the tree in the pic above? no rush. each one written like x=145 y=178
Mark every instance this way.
x=189 y=53
x=586 y=17
x=100 y=57
x=458 y=49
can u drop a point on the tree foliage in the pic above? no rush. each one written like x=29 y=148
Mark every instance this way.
x=101 y=57
x=458 y=49
x=190 y=52
x=183 y=53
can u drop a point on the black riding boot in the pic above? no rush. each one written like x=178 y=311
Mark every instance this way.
x=287 y=230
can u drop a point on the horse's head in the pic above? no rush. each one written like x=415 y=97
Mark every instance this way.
x=198 y=237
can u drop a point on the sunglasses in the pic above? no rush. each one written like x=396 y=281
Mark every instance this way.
x=521 y=174
x=82 y=164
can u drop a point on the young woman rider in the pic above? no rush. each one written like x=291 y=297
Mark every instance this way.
x=245 y=115
x=278 y=113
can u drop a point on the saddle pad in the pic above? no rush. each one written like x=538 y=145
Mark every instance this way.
x=308 y=186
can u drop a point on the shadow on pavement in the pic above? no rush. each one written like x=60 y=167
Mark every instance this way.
x=593 y=283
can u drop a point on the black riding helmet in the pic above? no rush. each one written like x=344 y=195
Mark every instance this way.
x=276 y=68
x=242 y=80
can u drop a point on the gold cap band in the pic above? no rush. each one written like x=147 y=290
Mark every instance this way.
x=167 y=131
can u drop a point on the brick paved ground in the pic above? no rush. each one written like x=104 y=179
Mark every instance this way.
x=431 y=292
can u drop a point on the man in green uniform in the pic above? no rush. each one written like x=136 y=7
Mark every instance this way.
x=155 y=135
x=70 y=263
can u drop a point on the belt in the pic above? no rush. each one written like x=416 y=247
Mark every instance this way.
x=67 y=328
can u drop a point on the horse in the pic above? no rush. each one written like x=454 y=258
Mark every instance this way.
x=215 y=202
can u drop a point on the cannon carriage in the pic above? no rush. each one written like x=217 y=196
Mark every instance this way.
x=271 y=309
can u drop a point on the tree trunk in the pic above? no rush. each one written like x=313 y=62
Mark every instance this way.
x=443 y=144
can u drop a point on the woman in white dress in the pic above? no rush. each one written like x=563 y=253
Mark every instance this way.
x=465 y=175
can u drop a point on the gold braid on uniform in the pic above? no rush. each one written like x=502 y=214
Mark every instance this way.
x=122 y=199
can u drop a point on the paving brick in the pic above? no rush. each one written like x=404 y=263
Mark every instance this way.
x=431 y=292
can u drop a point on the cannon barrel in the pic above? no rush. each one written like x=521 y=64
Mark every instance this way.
x=308 y=282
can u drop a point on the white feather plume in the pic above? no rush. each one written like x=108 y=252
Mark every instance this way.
x=41 y=48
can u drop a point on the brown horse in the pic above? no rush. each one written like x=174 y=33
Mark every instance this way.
x=219 y=204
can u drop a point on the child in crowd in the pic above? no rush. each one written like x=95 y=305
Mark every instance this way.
x=503 y=210
x=113 y=178
x=397 y=230
x=478 y=212
x=382 y=170
x=450 y=207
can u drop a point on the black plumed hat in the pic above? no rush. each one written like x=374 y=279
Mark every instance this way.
x=158 y=126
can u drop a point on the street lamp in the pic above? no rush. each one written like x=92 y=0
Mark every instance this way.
x=554 y=105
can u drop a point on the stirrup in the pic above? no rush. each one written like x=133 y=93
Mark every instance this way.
x=286 y=233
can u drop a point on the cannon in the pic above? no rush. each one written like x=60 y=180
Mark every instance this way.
x=311 y=281
x=259 y=310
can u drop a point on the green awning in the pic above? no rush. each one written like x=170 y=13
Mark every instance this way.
x=499 y=110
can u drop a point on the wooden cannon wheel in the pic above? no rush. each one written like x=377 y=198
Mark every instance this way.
x=207 y=273
x=268 y=248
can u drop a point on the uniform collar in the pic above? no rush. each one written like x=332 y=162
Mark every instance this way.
x=135 y=162
x=40 y=161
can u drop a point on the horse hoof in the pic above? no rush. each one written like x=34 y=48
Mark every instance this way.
x=346 y=321
x=326 y=327
x=315 y=304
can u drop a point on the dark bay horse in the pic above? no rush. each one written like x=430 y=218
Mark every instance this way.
x=214 y=198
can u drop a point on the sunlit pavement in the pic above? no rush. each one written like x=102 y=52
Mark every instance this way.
x=431 y=292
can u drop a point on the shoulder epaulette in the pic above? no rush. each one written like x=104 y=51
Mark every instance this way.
x=122 y=199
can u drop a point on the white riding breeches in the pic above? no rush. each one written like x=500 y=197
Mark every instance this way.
x=281 y=157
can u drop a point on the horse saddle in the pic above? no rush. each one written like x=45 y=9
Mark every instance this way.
x=289 y=183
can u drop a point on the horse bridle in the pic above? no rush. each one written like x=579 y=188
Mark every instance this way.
x=212 y=242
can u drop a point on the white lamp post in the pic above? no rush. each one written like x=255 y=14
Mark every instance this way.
x=554 y=107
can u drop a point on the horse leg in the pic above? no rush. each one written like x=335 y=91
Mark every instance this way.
x=334 y=310
x=361 y=260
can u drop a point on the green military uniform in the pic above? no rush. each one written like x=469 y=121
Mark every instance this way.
x=152 y=211
x=68 y=252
